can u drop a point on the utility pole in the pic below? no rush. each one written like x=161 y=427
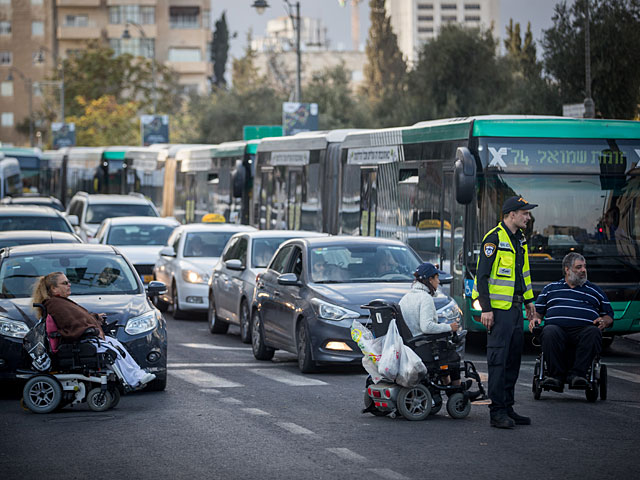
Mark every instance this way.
x=355 y=24
x=589 y=104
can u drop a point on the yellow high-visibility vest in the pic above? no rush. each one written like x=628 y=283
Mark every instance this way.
x=502 y=280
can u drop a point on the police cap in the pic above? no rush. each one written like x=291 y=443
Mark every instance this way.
x=516 y=203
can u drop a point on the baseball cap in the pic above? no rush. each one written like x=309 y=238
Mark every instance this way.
x=516 y=203
x=427 y=270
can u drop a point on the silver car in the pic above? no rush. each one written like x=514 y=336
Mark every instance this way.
x=231 y=285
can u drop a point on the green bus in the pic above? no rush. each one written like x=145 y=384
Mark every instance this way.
x=439 y=186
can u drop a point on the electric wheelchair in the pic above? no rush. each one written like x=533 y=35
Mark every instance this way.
x=69 y=373
x=596 y=375
x=438 y=353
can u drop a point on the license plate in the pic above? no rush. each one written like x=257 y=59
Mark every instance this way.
x=147 y=278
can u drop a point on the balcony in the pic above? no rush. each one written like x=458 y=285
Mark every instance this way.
x=78 y=3
x=91 y=31
x=188 y=67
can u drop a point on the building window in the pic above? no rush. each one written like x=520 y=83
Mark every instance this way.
x=148 y=15
x=37 y=29
x=37 y=89
x=5 y=2
x=38 y=57
x=7 y=119
x=184 y=17
x=76 y=20
x=472 y=6
x=185 y=55
x=425 y=6
x=425 y=18
x=472 y=18
x=449 y=6
x=36 y=2
x=425 y=29
x=5 y=28
x=206 y=19
x=6 y=89
x=6 y=58
x=449 y=18
x=138 y=47
x=121 y=14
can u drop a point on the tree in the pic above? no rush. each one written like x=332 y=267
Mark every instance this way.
x=523 y=52
x=106 y=122
x=245 y=74
x=615 y=54
x=385 y=71
x=219 y=51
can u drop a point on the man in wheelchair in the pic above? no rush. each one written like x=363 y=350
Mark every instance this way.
x=575 y=312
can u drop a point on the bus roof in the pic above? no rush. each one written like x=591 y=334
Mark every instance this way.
x=115 y=152
x=195 y=158
x=305 y=140
x=21 y=152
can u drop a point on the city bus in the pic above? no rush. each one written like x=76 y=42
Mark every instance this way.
x=448 y=179
x=30 y=160
x=193 y=173
x=145 y=173
x=10 y=177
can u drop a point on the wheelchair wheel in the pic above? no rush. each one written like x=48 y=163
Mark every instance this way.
x=603 y=382
x=42 y=394
x=415 y=403
x=99 y=400
x=458 y=406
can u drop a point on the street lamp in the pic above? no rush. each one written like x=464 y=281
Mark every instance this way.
x=589 y=104
x=261 y=6
x=126 y=36
x=29 y=85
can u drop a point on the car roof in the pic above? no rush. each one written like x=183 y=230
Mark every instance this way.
x=82 y=248
x=37 y=234
x=143 y=220
x=28 y=211
x=338 y=240
x=101 y=198
x=281 y=234
x=215 y=227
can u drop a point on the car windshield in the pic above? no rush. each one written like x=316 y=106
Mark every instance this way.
x=362 y=263
x=12 y=242
x=263 y=250
x=89 y=274
x=97 y=213
x=206 y=244
x=33 y=222
x=139 y=234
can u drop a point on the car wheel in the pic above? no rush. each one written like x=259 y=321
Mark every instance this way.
x=42 y=394
x=215 y=324
x=260 y=350
x=157 y=385
x=305 y=361
x=245 y=322
x=177 y=313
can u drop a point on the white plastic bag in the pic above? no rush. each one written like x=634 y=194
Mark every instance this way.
x=390 y=357
x=411 y=368
x=371 y=348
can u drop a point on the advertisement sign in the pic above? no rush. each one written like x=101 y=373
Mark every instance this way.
x=299 y=117
x=154 y=129
x=63 y=134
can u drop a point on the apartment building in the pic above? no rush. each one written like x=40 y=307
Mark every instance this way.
x=415 y=22
x=36 y=34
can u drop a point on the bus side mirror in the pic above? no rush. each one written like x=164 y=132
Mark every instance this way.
x=465 y=176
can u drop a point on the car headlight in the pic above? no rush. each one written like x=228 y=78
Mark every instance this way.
x=193 y=276
x=449 y=313
x=329 y=311
x=142 y=323
x=13 y=328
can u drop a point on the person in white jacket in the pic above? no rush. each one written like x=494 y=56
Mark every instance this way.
x=419 y=309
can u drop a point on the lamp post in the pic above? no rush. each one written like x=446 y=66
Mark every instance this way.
x=126 y=36
x=60 y=83
x=29 y=85
x=589 y=104
x=260 y=6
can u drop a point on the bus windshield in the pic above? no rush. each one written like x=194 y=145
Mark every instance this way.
x=597 y=216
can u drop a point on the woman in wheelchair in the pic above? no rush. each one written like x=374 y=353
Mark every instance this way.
x=72 y=322
x=419 y=310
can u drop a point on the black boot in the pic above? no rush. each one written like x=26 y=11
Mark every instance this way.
x=518 y=419
x=501 y=420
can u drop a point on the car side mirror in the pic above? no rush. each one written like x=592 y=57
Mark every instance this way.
x=73 y=220
x=290 y=279
x=167 y=251
x=234 y=264
x=156 y=288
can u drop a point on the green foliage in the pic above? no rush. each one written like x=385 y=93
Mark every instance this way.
x=106 y=122
x=244 y=71
x=615 y=54
x=219 y=51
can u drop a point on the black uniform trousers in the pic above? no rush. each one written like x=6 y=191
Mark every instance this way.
x=570 y=349
x=504 y=352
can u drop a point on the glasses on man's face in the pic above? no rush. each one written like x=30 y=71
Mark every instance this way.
x=66 y=282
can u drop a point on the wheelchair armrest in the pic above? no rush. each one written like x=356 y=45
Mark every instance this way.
x=90 y=333
x=428 y=338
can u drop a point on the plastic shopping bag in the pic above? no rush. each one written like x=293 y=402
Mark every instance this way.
x=390 y=357
x=371 y=348
x=411 y=368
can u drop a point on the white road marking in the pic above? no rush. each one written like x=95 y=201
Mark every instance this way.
x=293 y=428
x=209 y=390
x=220 y=365
x=255 y=411
x=631 y=377
x=347 y=454
x=231 y=400
x=208 y=346
x=203 y=379
x=287 y=378
x=387 y=474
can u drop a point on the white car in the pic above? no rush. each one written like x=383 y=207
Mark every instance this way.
x=140 y=239
x=186 y=262
x=234 y=277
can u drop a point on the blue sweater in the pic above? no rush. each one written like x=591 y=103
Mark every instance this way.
x=562 y=305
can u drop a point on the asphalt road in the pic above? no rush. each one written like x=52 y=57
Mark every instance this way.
x=226 y=415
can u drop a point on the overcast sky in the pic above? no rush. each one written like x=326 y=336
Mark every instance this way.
x=241 y=17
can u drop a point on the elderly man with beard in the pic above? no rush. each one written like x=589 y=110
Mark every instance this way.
x=575 y=311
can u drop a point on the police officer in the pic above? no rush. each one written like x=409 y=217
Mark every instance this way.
x=502 y=285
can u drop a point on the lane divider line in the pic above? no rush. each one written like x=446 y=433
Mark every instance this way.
x=203 y=379
x=287 y=377
x=347 y=454
x=294 y=428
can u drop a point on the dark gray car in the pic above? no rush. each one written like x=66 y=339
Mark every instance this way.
x=307 y=299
